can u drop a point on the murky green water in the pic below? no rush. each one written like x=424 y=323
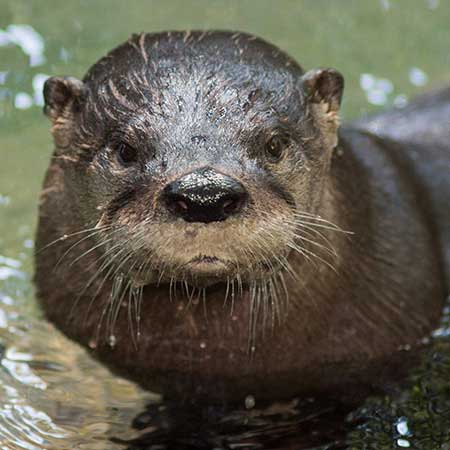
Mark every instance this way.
x=52 y=395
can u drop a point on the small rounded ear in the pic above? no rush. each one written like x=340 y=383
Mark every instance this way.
x=324 y=86
x=62 y=95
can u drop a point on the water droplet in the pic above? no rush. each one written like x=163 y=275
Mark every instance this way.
x=112 y=341
x=203 y=345
x=250 y=402
x=403 y=443
x=402 y=426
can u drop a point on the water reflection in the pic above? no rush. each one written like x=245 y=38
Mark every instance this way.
x=50 y=394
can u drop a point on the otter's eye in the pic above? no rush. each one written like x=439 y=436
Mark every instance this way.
x=276 y=145
x=126 y=154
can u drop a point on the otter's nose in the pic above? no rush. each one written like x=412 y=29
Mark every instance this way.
x=205 y=196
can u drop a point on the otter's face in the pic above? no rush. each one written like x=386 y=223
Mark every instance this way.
x=195 y=169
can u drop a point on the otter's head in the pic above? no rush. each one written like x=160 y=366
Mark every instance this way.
x=196 y=154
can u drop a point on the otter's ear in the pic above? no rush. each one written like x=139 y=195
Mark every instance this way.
x=323 y=89
x=324 y=86
x=62 y=95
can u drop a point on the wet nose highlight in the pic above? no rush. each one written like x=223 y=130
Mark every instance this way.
x=205 y=195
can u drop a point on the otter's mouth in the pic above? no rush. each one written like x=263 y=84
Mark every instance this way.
x=207 y=266
x=204 y=259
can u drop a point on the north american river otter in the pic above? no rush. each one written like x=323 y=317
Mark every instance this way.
x=206 y=230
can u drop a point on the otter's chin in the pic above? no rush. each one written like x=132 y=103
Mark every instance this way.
x=200 y=271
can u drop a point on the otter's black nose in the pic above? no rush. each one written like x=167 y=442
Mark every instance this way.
x=205 y=196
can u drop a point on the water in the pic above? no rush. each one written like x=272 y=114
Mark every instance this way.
x=52 y=395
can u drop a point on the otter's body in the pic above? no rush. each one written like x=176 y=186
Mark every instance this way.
x=319 y=311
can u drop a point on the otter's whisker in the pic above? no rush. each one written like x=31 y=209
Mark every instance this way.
x=314 y=255
x=64 y=237
x=227 y=290
x=84 y=238
x=317 y=244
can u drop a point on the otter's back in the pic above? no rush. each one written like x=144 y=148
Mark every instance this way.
x=419 y=135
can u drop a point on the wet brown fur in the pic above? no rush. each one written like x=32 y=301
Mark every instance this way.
x=336 y=266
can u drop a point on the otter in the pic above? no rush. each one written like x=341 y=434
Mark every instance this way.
x=208 y=230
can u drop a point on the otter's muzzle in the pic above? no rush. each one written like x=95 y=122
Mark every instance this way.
x=205 y=196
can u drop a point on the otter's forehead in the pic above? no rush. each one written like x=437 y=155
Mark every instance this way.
x=219 y=50
x=181 y=74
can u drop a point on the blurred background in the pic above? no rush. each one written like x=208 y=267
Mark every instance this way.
x=388 y=51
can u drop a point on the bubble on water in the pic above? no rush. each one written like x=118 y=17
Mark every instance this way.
x=64 y=55
x=377 y=97
x=433 y=4
x=7 y=272
x=3 y=319
x=10 y=262
x=400 y=101
x=28 y=243
x=23 y=101
x=385 y=4
x=6 y=299
x=4 y=200
x=250 y=402
x=377 y=89
x=417 y=77
x=29 y=40
x=366 y=81
x=4 y=38
x=38 y=85
x=384 y=85
x=404 y=443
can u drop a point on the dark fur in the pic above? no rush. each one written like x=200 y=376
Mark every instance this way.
x=302 y=315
